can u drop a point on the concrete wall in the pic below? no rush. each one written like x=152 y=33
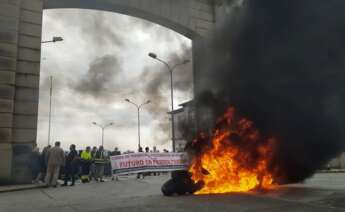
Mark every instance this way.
x=20 y=36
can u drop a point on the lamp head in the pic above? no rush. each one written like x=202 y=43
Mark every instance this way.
x=153 y=55
x=56 y=39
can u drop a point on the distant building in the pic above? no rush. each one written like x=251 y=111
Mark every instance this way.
x=185 y=125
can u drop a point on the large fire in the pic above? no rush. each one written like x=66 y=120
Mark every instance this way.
x=236 y=160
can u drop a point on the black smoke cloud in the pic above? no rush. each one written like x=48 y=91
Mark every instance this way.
x=281 y=64
x=104 y=82
x=101 y=79
x=157 y=85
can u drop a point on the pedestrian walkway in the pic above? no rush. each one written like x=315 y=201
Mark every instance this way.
x=12 y=188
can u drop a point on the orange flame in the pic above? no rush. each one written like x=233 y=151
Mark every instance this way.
x=236 y=160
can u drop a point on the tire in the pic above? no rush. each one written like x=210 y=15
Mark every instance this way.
x=168 y=188
x=181 y=192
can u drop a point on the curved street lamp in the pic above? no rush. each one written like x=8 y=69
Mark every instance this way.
x=53 y=40
x=171 y=70
x=138 y=109
x=103 y=127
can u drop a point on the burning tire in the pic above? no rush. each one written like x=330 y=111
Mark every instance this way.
x=181 y=184
x=168 y=188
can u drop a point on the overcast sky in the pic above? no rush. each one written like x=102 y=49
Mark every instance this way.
x=103 y=60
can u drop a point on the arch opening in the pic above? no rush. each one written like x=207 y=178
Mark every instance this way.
x=165 y=13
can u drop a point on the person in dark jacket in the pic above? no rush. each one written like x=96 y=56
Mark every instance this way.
x=43 y=164
x=71 y=167
x=140 y=174
x=93 y=174
x=100 y=161
x=35 y=164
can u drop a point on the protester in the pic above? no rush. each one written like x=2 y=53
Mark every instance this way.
x=56 y=159
x=100 y=161
x=140 y=174
x=114 y=153
x=92 y=165
x=42 y=165
x=86 y=160
x=155 y=150
x=93 y=151
x=35 y=164
x=71 y=167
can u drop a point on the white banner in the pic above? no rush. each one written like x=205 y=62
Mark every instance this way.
x=147 y=162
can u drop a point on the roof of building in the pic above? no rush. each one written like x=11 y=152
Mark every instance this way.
x=187 y=103
x=180 y=110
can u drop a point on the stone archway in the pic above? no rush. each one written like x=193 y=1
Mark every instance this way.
x=20 y=44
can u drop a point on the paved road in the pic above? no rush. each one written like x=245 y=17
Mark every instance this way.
x=324 y=192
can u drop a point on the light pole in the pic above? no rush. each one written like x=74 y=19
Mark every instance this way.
x=138 y=108
x=103 y=128
x=50 y=107
x=171 y=70
x=54 y=39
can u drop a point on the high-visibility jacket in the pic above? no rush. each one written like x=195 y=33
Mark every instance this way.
x=100 y=157
x=86 y=155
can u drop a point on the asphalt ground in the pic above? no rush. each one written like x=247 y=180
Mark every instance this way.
x=324 y=192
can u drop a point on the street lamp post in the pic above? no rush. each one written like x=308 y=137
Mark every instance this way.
x=171 y=70
x=50 y=107
x=103 y=127
x=54 y=39
x=138 y=109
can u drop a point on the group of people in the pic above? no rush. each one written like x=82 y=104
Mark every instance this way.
x=53 y=163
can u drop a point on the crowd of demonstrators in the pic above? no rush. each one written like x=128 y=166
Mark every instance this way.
x=53 y=164
x=87 y=165
x=147 y=150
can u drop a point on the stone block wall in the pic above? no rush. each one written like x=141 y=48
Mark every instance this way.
x=20 y=43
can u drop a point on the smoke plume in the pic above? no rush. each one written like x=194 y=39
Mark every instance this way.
x=281 y=64
x=157 y=88
x=101 y=79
